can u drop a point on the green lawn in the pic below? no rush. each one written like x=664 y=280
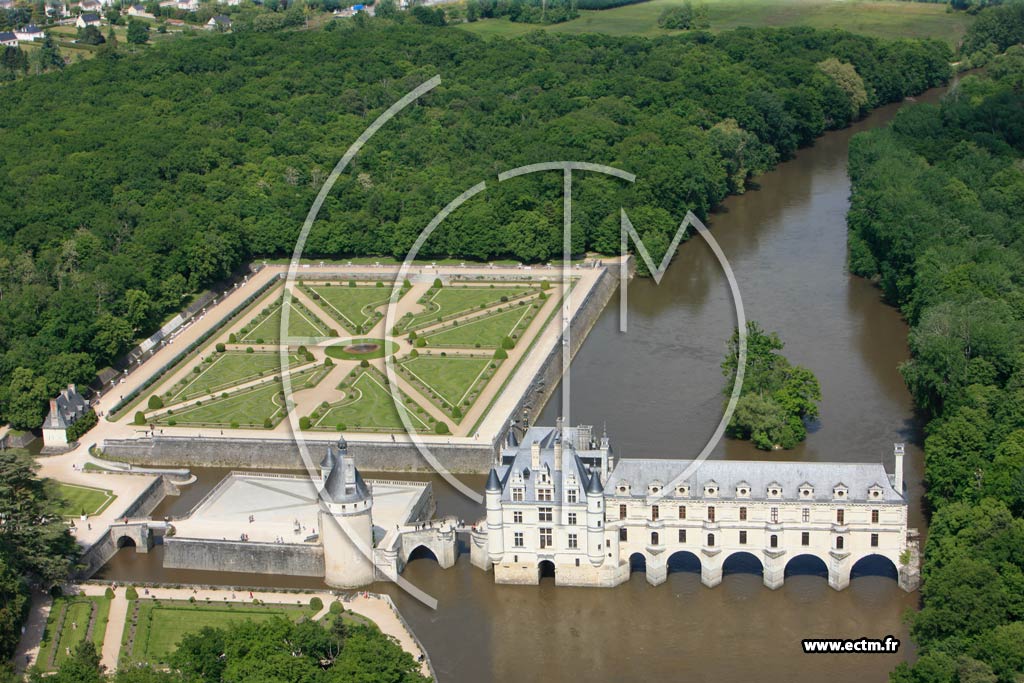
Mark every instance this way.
x=367 y=405
x=487 y=331
x=451 y=378
x=162 y=624
x=455 y=300
x=266 y=328
x=880 y=19
x=70 y=617
x=354 y=307
x=225 y=371
x=76 y=498
x=246 y=408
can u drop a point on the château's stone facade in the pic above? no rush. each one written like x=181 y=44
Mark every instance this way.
x=548 y=511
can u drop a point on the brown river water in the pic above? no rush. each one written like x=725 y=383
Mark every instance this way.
x=658 y=388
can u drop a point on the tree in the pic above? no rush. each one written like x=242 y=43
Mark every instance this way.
x=25 y=404
x=138 y=32
x=90 y=35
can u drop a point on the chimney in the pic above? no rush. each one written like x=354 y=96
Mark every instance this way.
x=898 y=450
x=535 y=455
x=53 y=406
x=558 y=453
x=71 y=388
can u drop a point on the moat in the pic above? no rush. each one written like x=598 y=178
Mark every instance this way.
x=787 y=244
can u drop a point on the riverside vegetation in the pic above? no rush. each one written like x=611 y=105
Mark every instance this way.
x=212 y=150
x=936 y=217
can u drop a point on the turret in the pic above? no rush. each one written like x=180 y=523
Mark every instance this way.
x=510 y=436
x=326 y=465
x=495 y=528
x=347 y=522
x=898 y=452
x=606 y=452
x=595 y=520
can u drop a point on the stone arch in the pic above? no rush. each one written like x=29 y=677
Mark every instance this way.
x=421 y=552
x=546 y=570
x=806 y=564
x=742 y=562
x=126 y=542
x=874 y=565
x=637 y=563
x=683 y=561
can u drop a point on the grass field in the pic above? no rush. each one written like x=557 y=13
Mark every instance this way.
x=452 y=378
x=302 y=324
x=879 y=19
x=354 y=307
x=225 y=371
x=487 y=331
x=452 y=301
x=247 y=408
x=75 y=499
x=68 y=625
x=161 y=625
x=367 y=405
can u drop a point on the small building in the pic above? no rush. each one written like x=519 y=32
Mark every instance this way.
x=139 y=11
x=183 y=5
x=219 y=22
x=90 y=6
x=8 y=39
x=88 y=19
x=66 y=409
x=29 y=33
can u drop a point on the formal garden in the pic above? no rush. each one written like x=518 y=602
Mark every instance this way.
x=367 y=405
x=72 y=620
x=357 y=307
x=76 y=500
x=451 y=381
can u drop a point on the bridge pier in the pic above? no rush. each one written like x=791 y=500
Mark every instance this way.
x=710 y=576
x=774 y=569
x=656 y=574
x=839 y=577
x=479 y=553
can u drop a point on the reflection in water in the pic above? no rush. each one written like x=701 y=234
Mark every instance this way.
x=659 y=390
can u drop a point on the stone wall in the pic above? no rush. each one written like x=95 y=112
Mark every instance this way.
x=284 y=454
x=245 y=557
x=549 y=377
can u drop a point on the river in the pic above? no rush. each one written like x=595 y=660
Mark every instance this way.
x=658 y=388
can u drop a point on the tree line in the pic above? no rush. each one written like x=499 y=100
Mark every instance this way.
x=936 y=217
x=130 y=183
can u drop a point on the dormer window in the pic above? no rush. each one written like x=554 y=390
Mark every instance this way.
x=683 y=490
x=775 y=490
x=654 y=487
x=875 y=492
x=623 y=488
x=743 y=490
x=839 y=491
x=806 y=490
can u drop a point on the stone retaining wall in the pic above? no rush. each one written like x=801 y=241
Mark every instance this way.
x=245 y=557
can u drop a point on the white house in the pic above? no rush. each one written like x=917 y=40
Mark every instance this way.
x=548 y=512
x=29 y=33
x=66 y=409
x=139 y=11
x=183 y=5
x=219 y=22
x=88 y=19
x=90 y=6
x=8 y=39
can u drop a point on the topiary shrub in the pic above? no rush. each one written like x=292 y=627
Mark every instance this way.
x=220 y=347
x=438 y=284
x=507 y=343
x=232 y=339
x=364 y=363
x=171 y=423
x=155 y=402
x=337 y=607
x=268 y=423
x=131 y=593
x=440 y=428
x=316 y=604
x=109 y=593
x=140 y=417
x=249 y=349
x=304 y=423
x=500 y=354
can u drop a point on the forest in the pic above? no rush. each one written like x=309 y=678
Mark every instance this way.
x=130 y=183
x=936 y=217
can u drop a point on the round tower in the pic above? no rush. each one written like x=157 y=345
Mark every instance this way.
x=495 y=528
x=595 y=520
x=346 y=523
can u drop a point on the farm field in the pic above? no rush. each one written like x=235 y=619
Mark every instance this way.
x=879 y=19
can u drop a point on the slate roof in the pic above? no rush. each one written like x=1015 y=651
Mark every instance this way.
x=65 y=409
